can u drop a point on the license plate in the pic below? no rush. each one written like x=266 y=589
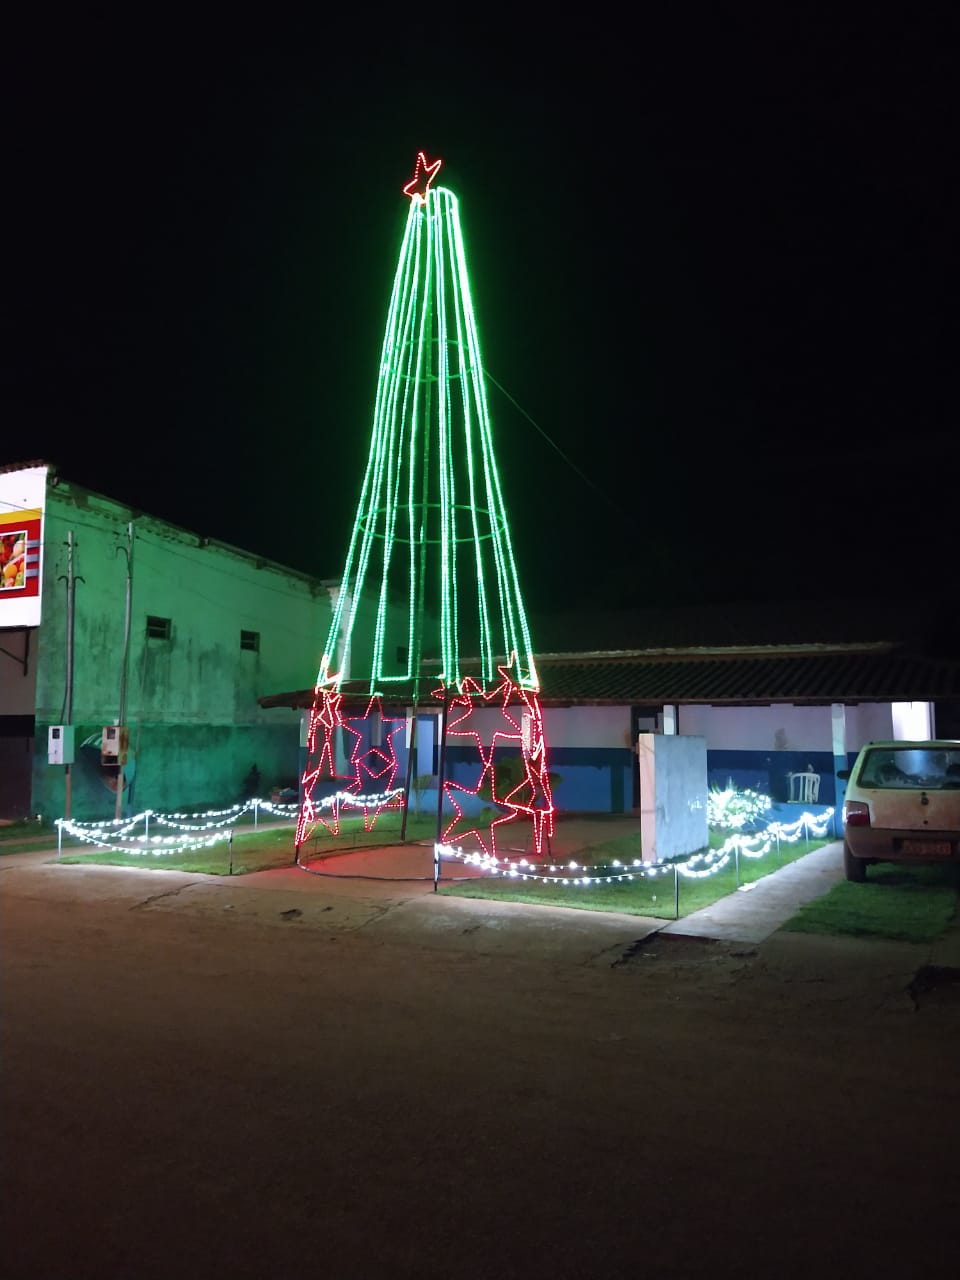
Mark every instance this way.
x=928 y=848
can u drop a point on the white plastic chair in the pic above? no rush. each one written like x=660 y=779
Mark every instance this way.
x=804 y=787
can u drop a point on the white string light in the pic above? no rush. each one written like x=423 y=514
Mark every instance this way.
x=730 y=808
x=220 y=824
x=697 y=867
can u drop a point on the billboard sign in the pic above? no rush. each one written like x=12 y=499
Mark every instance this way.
x=23 y=493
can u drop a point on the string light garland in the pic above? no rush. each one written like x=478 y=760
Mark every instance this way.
x=221 y=823
x=103 y=835
x=729 y=807
x=221 y=826
x=697 y=867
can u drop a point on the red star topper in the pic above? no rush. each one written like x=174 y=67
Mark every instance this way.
x=423 y=175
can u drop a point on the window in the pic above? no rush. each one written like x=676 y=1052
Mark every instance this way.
x=910 y=768
x=401 y=653
x=158 y=628
x=250 y=640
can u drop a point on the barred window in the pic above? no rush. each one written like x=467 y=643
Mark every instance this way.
x=158 y=628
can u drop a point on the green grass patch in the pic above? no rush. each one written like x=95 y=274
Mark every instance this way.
x=643 y=896
x=254 y=850
x=899 y=903
x=262 y=848
x=26 y=835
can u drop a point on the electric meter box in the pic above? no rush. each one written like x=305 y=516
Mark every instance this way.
x=60 y=744
x=113 y=744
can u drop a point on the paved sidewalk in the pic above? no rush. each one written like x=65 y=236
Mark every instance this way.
x=755 y=912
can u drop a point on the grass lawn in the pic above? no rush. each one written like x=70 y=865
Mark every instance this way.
x=26 y=835
x=254 y=848
x=905 y=904
x=640 y=897
x=266 y=847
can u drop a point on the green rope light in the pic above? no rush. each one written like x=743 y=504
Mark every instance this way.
x=431 y=526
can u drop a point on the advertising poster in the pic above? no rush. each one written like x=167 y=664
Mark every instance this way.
x=22 y=494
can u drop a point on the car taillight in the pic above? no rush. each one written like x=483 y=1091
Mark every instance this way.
x=855 y=814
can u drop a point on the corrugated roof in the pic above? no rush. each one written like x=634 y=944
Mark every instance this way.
x=813 y=677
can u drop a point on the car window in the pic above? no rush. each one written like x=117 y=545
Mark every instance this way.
x=930 y=769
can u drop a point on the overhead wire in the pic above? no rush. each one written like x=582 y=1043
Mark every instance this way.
x=553 y=445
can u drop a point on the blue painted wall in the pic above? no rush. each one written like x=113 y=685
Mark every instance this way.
x=766 y=771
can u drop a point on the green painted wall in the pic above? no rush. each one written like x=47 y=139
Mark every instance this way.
x=191 y=699
x=172 y=767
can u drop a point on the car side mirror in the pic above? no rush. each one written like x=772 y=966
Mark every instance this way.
x=843 y=774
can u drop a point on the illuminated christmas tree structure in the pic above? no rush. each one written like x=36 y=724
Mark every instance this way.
x=429 y=626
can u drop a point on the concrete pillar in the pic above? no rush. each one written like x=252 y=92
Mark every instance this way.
x=838 y=725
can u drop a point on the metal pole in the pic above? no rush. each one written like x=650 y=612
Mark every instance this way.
x=121 y=721
x=59 y=837
x=676 y=892
x=736 y=850
x=411 y=753
x=230 y=872
x=442 y=771
x=68 y=696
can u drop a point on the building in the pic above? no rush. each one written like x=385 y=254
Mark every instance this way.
x=120 y=622
x=778 y=693
x=140 y=650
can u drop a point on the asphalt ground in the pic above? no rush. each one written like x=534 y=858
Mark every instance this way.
x=283 y=1073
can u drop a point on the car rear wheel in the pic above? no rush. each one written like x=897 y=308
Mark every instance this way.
x=855 y=869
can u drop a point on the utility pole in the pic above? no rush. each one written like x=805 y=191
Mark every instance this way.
x=121 y=722
x=68 y=695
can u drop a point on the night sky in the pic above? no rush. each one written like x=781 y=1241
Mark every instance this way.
x=715 y=265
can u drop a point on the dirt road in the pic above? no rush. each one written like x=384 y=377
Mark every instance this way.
x=298 y=1077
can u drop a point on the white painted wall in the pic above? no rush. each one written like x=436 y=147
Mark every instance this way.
x=775 y=728
x=786 y=727
x=603 y=727
x=587 y=727
x=868 y=722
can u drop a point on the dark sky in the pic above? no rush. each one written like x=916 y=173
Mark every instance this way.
x=715 y=264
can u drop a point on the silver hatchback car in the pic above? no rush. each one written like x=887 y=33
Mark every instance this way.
x=902 y=805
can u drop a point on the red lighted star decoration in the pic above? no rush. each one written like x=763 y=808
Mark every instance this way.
x=326 y=717
x=532 y=795
x=423 y=175
x=375 y=769
x=369 y=786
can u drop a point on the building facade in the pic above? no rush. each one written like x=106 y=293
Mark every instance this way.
x=142 y=626
x=782 y=700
